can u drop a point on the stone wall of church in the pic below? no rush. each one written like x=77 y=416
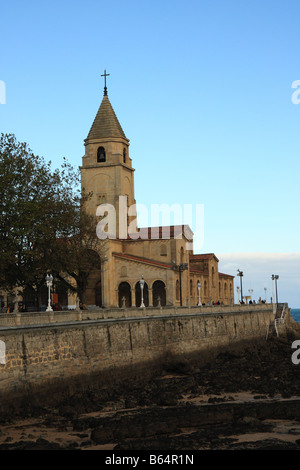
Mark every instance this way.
x=60 y=358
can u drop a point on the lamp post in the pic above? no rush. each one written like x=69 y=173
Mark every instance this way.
x=265 y=289
x=199 y=298
x=250 y=292
x=238 y=292
x=49 y=279
x=180 y=267
x=275 y=278
x=142 y=283
x=241 y=274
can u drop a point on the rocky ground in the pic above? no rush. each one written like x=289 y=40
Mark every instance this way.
x=243 y=399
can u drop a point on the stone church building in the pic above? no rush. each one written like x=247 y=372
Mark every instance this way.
x=160 y=256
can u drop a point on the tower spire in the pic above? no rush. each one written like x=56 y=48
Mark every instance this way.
x=105 y=88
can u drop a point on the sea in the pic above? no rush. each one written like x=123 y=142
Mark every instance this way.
x=295 y=312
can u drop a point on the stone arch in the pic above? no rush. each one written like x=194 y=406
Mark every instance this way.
x=127 y=188
x=138 y=294
x=98 y=294
x=60 y=296
x=101 y=155
x=124 y=291
x=106 y=182
x=30 y=298
x=159 y=292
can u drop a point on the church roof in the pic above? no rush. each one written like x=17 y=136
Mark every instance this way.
x=106 y=123
x=202 y=257
x=164 y=232
x=142 y=260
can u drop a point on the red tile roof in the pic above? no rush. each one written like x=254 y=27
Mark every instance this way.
x=202 y=257
x=164 y=233
x=142 y=260
x=226 y=275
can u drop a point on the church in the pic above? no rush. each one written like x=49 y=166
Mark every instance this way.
x=154 y=266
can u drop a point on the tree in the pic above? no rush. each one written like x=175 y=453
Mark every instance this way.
x=85 y=251
x=42 y=221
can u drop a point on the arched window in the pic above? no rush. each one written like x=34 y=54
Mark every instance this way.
x=213 y=276
x=191 y=288
x=138 y=295
x=205 y=288
x=98 y=294
x=225 y=290
x=124 y=292
x=159 y=293
x=101 y=157
x=124 y=155
x=220 y=290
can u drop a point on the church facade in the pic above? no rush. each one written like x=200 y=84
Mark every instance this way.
x=160 y=257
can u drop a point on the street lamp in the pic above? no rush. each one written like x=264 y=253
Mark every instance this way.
x=275 y=278
x=238 y=292
x=180 y=267
x=265 y=289
x=240 y=273
x=199 y=298
x=250 y=292
x=142 y=283
x=49 y=279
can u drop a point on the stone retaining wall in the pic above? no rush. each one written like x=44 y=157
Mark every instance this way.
x=53 y=358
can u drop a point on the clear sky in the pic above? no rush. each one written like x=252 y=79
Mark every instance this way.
x=203 y=90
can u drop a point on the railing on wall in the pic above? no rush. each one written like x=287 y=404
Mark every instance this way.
x=73 y=316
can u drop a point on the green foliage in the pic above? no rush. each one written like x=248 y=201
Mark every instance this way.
x=40 y=214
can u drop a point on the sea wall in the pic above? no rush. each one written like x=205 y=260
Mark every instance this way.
x=51 y=358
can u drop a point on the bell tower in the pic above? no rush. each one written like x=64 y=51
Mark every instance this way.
x=106 y=169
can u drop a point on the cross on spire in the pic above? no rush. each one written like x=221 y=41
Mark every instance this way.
x=105 y=75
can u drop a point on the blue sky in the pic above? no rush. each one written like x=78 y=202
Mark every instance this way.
x=201 y=88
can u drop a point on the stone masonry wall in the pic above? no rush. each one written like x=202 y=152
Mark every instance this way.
x=56 y=358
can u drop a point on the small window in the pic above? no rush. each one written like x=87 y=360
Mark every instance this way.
x=101 y=157
x=124 y=155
